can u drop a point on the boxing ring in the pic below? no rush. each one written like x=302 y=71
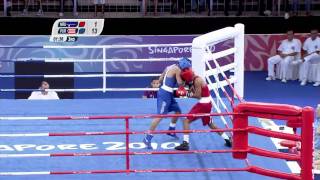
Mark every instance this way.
x=90 y=138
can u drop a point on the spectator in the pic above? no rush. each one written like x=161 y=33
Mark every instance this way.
x=286 y=9
x=209 y=4
x=263 y=9
x=26 y=7
x=9 y=5
x=287 y=53
x=296 y=5
x=152 y=94
x=311 y=48
x=62 y=5
x=43 y=93
x=96 y=3
x=177 y=6
x=197 y=5
x=227 y=7
x=146 y=4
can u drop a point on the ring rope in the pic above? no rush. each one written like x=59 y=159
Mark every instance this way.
x=105 y=117
x=82 y=90
x=221 y=101
x=223 y=83
x=228 y=67
x=219 y=111
x=79 y=75
x=60 y=60
x=219 y=85
x=224 y=75
x=256 y=151
x=251 y=129
x=117 y=153
x=113 y=133
x=218 y=96
x=124 y=171
x=115 y=46
x=222 y=53
x=252 y=150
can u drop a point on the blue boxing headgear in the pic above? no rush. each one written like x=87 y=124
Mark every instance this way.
x=184 y=63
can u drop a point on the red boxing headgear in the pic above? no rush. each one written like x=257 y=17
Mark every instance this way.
x=187 y=75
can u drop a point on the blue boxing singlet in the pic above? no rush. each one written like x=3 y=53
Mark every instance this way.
x=165 y=101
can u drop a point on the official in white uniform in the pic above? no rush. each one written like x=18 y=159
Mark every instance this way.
x=311 y=47
x=288 y=51
x=42 y=94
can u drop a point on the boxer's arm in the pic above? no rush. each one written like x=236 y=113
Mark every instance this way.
x=162 y=76
x=180 y=82
x=197 y=88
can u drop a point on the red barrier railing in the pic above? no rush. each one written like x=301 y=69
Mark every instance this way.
x=295 y=116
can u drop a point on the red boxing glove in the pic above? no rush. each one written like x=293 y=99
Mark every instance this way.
x=181 y=91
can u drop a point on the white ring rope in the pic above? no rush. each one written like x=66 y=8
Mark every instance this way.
x=25 y=135
x=23 y=118
x=222 y=53
x=215 y=105
x=23 y=155
x=24 y=173
x=100 y=46
x=229 y=67
x=216 y=93
x=117 y=46
x=220 y=85
x=83 y=75
x=69 y=60
x=85 y=90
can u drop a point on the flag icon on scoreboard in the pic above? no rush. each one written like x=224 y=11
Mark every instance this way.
x=72 y=31
x=82 y=24
x=82 y=30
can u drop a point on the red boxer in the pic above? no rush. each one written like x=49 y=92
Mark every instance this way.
x=198 y=89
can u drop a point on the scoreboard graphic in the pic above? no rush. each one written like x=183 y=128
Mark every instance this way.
x=68 y=30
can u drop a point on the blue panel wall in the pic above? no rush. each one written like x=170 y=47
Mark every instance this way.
x=6 y=83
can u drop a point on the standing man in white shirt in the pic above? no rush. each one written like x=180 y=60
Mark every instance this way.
x=288 y=51
x=311 y=48
x=43 y=93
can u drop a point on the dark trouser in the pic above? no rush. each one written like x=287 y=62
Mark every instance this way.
x=62 y=3
x=286 y=6
x=177 y=5
x=26 y=4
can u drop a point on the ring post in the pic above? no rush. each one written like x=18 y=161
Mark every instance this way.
x=240 y=137
x=239 y=59
x=307 y=143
